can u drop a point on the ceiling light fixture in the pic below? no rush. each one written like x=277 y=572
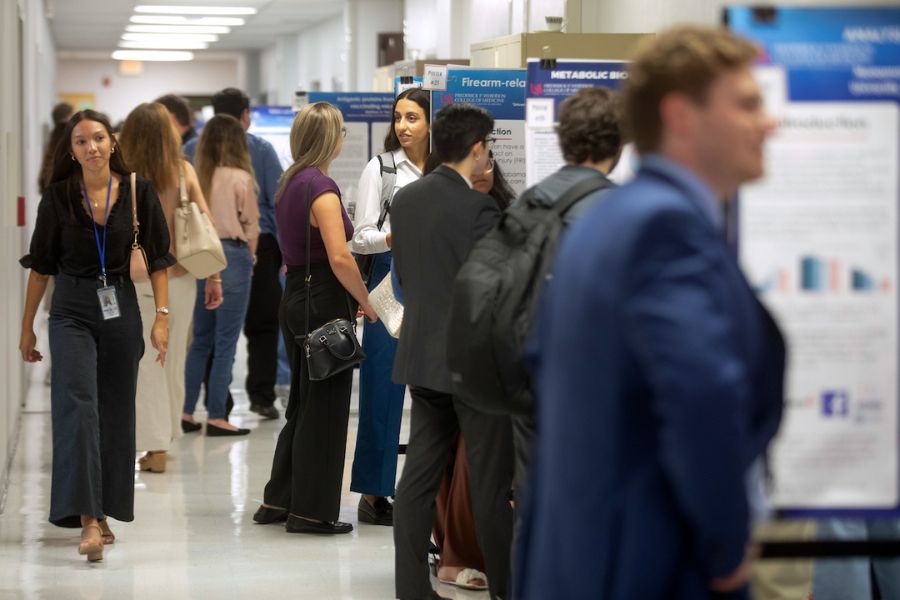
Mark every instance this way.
x=163 y=45
x=182 y=20
x=152 y=55
x=194 y=10
x=151 y=37
x=176 y=29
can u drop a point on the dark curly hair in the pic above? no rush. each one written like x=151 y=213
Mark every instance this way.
x=590 y=126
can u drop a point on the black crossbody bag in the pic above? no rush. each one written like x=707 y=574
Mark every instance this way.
x=333 y=347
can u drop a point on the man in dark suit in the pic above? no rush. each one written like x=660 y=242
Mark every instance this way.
x=435 y=222
x=659 y=374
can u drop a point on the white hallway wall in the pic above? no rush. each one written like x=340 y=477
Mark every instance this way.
x=124 y=92
x=26 y=69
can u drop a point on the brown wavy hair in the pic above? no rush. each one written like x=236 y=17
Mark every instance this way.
x=152 y=146
x=315 y=134
x=685 y=60
x=223 y=143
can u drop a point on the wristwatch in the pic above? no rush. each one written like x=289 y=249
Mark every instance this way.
x=162 y=310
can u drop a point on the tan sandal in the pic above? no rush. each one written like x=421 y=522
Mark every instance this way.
x=106 y=533
x=89 y=545
x=155 y=462
x=468 y=579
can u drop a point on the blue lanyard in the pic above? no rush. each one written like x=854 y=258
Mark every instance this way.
x=101 y=249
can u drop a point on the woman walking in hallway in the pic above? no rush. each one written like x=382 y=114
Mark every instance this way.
x=226 y=178
x=152 y=146
x=85 y=240
x=308 y=467
x=381 y=400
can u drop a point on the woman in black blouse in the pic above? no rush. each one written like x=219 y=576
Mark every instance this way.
x=83 y=238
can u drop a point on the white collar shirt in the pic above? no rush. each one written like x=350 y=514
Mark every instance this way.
x=367 y=239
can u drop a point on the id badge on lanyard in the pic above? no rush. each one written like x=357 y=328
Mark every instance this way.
x=106 y=295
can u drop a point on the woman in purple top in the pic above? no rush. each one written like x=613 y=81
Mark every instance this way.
x=308 y=467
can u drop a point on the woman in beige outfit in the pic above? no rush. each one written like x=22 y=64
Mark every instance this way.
x=152 y=149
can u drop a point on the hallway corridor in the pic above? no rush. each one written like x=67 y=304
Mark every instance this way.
x=193 y=536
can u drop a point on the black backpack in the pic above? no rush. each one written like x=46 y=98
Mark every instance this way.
x=491 y=309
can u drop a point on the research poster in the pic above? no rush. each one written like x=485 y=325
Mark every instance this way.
x=502 y=93
x=548 y=84
x=818 y=239
x=367 y=117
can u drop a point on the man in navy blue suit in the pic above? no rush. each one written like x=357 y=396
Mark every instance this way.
x=659 y=374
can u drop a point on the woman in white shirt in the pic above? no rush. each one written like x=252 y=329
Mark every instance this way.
x=381 y=400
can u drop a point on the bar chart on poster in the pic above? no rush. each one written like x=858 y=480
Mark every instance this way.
x=818 y=240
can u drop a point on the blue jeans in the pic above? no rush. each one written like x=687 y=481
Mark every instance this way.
x=218 y=331
x=380 y=405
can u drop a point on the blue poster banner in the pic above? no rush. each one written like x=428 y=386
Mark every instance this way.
x=500 y=91
x=834 y=54
x=560 y=79
x=358 y=107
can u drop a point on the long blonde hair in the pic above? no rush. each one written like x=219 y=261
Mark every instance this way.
x=151 y=146
x=223 y=143
x=315 y=135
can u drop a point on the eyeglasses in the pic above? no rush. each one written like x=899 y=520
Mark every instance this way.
x=343 y=132
x=489 y=143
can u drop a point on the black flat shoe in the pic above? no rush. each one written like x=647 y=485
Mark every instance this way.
x=188 y=427
x=265 y=515
x=263 y=410
x=380 y=514
x=213 y=431
x=298 y=525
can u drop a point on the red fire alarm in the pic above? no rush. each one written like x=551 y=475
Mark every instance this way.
x=20 y=211
x=106 y=81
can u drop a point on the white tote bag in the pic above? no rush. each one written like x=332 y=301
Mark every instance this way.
x=197 y=245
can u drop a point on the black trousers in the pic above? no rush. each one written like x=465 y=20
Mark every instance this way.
x=308 y=466
x=261 y=325
x=94 y=380
x=436 y=419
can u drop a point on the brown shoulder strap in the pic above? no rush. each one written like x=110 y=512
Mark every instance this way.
x=134 y=219
x=182 y=186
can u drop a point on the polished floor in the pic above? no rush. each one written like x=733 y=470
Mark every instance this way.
x=193 y=536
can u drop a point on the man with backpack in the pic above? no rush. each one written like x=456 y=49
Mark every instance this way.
x=505 y=273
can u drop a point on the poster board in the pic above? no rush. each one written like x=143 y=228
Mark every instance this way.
x=502 y=93
x=549 y=83
x=818 y=239
x=367 y=118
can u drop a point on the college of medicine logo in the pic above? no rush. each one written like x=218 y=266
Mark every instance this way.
x=446 y=99
x=537 y=89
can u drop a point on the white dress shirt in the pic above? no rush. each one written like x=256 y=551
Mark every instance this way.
x=367 y=239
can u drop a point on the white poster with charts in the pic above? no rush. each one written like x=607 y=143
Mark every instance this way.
x=818 y=241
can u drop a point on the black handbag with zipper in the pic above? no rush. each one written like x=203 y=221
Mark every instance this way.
x=333 y=347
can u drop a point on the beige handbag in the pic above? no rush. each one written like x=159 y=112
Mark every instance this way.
x=140 y=266
x=197 y=245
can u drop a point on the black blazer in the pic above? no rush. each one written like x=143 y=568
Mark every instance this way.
x=435 y=221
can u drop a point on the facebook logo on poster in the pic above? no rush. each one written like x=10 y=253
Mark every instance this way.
x=835 y=403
